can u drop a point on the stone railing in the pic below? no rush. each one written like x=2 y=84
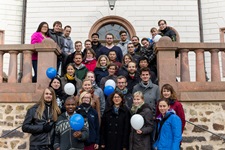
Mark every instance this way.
x=26 y=91
x=187 y=90
x=203 y=102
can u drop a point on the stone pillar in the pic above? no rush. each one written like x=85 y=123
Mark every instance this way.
x=47 y=57
x=215 y=68
x=200 y=66
x=1 y=66
x=184 y=65
x=166 y=61
x=12 y=75
x=27 y=67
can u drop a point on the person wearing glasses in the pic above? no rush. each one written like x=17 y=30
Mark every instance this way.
x=131 y=51
x=121 y=86
x=165 y=30
x=115 y=125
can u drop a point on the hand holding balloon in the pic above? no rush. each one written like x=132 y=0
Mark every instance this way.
x=137 y=122
x=76 y=122
x=77 y=134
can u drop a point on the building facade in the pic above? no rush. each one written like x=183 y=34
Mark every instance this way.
x=194 y=20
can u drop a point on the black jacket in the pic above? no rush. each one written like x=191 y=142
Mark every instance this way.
x=115 y=129
x=168 y=32
x=34 y=126
x=57 y=37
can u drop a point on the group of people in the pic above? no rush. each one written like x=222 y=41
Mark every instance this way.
x=132 y=67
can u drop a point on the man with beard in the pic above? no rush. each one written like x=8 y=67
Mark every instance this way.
x=123 y=41
x=132 y=77
x=137 y=45
x=109 y=37
x=96 y=45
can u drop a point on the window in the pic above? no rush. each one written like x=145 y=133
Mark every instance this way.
x=112 y=24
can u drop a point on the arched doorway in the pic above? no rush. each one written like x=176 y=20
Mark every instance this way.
x=111 y=24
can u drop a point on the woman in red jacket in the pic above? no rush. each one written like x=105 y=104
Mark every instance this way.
x=168 y=92
x=90 y=60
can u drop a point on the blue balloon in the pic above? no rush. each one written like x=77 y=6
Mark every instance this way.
x=51 y=72
x=76 y=122
x=108 y=90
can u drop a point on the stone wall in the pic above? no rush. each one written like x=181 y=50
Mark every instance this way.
x=210 y=115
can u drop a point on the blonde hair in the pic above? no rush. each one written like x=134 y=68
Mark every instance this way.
x=82 y=95
x=99 y=58
x=140 y=94
x=55 y=110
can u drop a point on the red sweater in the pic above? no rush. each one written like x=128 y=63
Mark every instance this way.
x=90 y=65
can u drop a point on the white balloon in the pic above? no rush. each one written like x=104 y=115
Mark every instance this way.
x=137 y=121
x=156 y=38
x=69 y=88
x=110 y=82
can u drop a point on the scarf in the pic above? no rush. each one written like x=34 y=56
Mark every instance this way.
x=116 y=110
x=135 y=108
x=145 y=85
x=124 y=91
x=69 y=77
x=103 y=68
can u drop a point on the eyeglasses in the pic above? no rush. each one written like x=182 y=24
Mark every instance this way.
x=116 y=97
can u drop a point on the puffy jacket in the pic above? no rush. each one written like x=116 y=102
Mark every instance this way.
x=34 y=126
x=170 y=135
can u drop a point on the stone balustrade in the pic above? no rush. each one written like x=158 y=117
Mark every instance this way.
x=203 y=102
x=26 y=91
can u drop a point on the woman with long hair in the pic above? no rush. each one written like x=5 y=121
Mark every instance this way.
x=37 y=37
x=168 y=92
x=70 y=77
x=115 y=125
x=40 y=121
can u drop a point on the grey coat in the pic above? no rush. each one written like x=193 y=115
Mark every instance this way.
x=142 y=141
x=151 y=94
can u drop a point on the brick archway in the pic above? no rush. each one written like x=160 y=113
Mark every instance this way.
x=112 y=19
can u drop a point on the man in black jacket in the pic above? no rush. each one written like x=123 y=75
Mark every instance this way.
x=56 y=34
